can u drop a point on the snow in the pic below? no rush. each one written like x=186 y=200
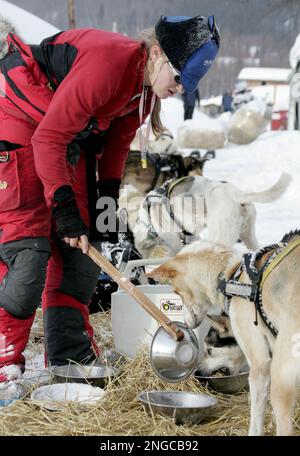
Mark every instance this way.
x=265 y=74
x=30 y=27
x=255 y=167
x=172 y=114
x=9 y=393
x=204 y=123
x=224 y=119
x=49 y=395
x=11 y=372
x=256 y=106
x=10 y=390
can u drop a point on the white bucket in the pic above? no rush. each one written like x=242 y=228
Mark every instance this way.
x=133 y=327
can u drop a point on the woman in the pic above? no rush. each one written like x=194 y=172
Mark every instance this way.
x=69 y=110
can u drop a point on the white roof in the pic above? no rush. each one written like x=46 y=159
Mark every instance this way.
x=265 y=74
x=31 y=28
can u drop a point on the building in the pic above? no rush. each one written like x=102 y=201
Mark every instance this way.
x=275 y=82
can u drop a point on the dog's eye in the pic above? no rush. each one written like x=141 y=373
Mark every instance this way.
x=209 y=351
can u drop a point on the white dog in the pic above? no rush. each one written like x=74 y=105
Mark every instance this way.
x=274 y=360
x=197 y=202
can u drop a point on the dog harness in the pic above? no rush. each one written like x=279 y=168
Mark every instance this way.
x=253 y=291
x=161 y=196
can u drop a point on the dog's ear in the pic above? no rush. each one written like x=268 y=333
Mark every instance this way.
x=163 y=272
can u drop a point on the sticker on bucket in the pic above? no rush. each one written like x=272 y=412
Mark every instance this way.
x=171 y=306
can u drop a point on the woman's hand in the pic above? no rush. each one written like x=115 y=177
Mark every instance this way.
x=73 y=242
x=69 y=224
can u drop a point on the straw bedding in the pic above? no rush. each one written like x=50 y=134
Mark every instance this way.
x=120 y=413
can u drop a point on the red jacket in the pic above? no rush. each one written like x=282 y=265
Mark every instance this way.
x=94 y=73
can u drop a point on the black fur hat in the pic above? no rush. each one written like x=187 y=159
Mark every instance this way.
x=180 y=37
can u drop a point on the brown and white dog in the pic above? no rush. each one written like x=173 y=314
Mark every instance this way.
x=161 y=167
x=274 y=361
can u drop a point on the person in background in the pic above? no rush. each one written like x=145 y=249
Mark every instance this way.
x=69 y=110
x=189 y=102
x=227 y=101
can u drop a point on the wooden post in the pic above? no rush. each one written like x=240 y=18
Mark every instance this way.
x=71 y=14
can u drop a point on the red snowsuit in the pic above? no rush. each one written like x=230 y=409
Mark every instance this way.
x=78 y=80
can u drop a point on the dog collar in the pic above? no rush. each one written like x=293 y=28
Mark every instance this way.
x=231 y=287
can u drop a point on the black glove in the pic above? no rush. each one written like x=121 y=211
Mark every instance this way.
x=66 y=213
x=109 y=188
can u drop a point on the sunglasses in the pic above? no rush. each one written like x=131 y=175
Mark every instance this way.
x=176 y=74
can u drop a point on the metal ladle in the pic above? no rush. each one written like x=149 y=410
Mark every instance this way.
x=176 y=351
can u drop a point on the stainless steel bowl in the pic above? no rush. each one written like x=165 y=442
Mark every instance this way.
x=228 y=384
x=174 y=361
x=183 y=406
x=74 y=373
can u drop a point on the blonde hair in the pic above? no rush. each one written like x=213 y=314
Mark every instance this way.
x=148 y=37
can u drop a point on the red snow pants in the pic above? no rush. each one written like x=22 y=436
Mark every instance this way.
x=35 y=266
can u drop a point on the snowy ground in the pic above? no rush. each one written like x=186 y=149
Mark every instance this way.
x=255 y=167
x=31 y=28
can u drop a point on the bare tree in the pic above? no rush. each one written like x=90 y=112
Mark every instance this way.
x=71 y=14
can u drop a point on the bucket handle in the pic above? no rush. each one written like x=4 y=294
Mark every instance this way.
x=142 y=262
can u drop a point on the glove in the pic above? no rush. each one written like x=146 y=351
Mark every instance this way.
x=110 y=189
x=66 y=213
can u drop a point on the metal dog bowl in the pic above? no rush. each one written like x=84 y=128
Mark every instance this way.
x=183 y=406
x=228 y=384
x=172 y=360
x=74 y=373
